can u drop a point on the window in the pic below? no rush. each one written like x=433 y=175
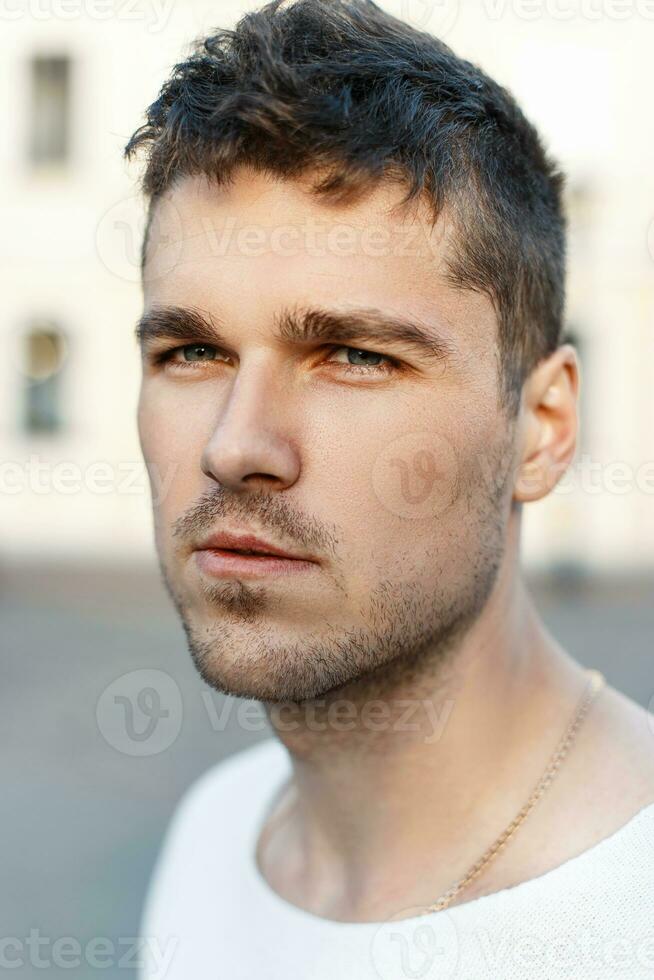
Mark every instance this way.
x=43 y=355
x=50 y=110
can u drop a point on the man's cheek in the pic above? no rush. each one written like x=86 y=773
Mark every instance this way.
x=168 y=450
x=416 y=475
x=166 y=477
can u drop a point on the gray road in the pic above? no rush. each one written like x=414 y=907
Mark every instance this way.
x=90 y=774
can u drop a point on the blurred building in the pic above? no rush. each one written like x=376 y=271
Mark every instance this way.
x=77 y=77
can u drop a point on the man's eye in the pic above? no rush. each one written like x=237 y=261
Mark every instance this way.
x=370 y=361
x=188 y=356
x=197 y=352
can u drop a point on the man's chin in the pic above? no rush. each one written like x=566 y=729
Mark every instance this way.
x=274 y=671
x=267 y=680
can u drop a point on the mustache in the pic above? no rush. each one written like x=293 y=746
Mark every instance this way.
x=267 y=512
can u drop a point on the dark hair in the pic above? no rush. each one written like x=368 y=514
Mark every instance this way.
x=345 y=88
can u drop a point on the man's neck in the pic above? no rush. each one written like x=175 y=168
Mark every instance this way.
x=392 y=794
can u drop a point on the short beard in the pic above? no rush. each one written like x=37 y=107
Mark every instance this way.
x=409 y=633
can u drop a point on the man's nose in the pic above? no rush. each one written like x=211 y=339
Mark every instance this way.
x=251 y=445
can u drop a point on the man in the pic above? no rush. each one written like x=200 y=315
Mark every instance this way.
x=353 y=370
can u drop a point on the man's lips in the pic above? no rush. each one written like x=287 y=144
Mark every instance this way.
x=230 y=555
x=238 y=544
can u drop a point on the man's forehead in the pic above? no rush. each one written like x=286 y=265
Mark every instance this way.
x=260 y=244
x=257 y=214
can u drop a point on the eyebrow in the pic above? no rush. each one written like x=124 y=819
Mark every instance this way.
x=302 y=325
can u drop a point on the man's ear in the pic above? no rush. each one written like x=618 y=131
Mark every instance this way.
x=549 y=424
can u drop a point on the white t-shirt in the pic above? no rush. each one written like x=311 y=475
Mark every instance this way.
x=210 y=914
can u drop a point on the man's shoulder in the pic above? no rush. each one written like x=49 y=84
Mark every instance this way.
x=228 y=786
x=243 y=767
x=207 y=840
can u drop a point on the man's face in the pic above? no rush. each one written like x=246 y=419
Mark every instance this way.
x=385 y=461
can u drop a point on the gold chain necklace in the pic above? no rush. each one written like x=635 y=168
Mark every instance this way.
x=595 y=685
x=596 y=682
